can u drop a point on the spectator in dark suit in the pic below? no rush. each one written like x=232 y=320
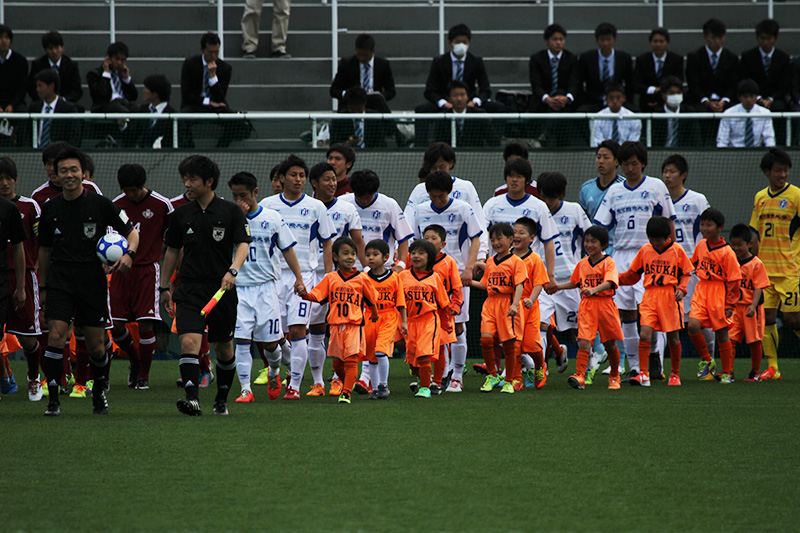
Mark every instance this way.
x=674 y=133
x=54 y=58
x=601 y=67
x=13 y=74
x=770 y=67
x=205 y=79
x=554 y=93
x=653 y=67
x=49 y=101
x=157 y=91
x=796 y=84
x=358 y=133
x=371 y=73
x=712 y=71
x=111 y=85
x=469 y=133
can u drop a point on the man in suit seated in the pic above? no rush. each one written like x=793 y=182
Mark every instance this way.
x=712 y=71
x=49 y=101
x=359 y=133
x=67 y=69
x=652 y=68
x=205 y=79
x=371 y=73
x=599 y=68
x=469 y=133
x=674 y=133
x=13 y=74
x=770 y=67
x=155 y=133
x=111 y=85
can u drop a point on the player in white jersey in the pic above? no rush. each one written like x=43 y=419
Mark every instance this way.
x=346 y=223
x=688 y=207
x=309 y=222
x=517 y=203
x=627 y=207
x=381 y=218
x=464 y=231
x=258 y=314
x=572 y=222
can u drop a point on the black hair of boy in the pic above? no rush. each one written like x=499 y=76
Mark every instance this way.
x=552 y=184
x=614 y=88
x=49 y=77
x=669 y=82
x=658 y=228
x=747 y=87
x=378 y=244
x=8 y=167
x=713 y=215
x=632 y=149
x=343 y=241
x=664 y=32
x=70 y=153
x=52 y=38
x=605 y=28
x=501 y=228
x=355 y=96
x=439 y=181
x=457 y=31
x=159 y=84
x=5 y=29
x=428 y=248
x=741 y=231
x=209 y=39
x=437 y=151
x=519 y=166
x=529 y=224
x=678 y=161
x=204 y=168
x=440 y=231
x=714 y=27
x=117 y=49
x=345 y=149
x=552 y=29
x=600 y=233
x=292 y=161
x=768 y=27
x=610 y=145
x=456 y=84
x=365 y=41
x=131 y=175
x=248 y=180
x=316 y=172
x=364 y=182
x=515 y=149
x=775 y=156
x=53 y=149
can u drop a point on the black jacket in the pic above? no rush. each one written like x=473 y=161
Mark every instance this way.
x=541 y=76
x=68 y=74
x=101 y=91
x=441 y=74
x=593 y=88
x=703 y=82
x=13 y=80
x=61 y=130
x=778 y=85
x=644 y=76
x=192 y=81
x=349 y=74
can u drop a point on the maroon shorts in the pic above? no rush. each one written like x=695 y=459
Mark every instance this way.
x=24 y=321
x=134 y=295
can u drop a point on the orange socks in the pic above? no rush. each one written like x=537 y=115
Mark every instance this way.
x=675 y=357
x=538 y=359
x=756 y=353
x=644 y=356
x=438 y=366
x=553 y=341
x=726 y=354
x=424 y=372
x=348 y=369
x=613 y=360
x=699 y=343
x=583 y=361
x=487 y=349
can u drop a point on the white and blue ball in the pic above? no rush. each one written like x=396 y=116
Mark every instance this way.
x=111 y=247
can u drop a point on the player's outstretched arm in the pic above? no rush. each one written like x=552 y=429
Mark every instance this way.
x=629 y=277
x=562 y=287
x=403 y=321
x=606 y=285
x=327 y=255
x=19 y=271
x=477 y=285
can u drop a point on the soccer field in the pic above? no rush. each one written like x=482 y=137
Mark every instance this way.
x=703 y=456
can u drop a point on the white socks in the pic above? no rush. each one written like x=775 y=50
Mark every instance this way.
x=631 y=333
x=274 y=361
x=244 y=364
x=365 y=375
x=299 y=360
x=383 y=368
x=316 y=356
x=458 y=354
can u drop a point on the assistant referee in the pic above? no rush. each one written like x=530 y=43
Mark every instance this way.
x=210 y=231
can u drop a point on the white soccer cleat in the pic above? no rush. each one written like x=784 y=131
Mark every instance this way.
x=35 y=392
x=455 y=386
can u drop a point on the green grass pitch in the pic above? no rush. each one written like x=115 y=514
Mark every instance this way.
x=702 y=457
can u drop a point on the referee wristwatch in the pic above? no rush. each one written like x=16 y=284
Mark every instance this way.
x=233 y=272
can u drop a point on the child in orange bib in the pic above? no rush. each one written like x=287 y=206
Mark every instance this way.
x=346 y=291
x=597 y=277
x=667 y=270
x=748 y=316
x=501 y=317
x=715 y=295
x=428 y=308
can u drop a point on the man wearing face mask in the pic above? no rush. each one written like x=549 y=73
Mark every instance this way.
x=458 y=64
x=674 y=133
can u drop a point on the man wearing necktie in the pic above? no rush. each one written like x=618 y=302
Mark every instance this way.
x=368 y=71
x=554 y=74
x=157 y=91
x=50 y=102
x=603 y=66
x=359 y=132
x=111 y=86
x=653 y=67
x=770 y=67
x=712 y=71
x=753 y=131
x=54 y=58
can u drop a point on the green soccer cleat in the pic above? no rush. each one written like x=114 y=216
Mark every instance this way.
x=344 y=398
x=263 y=377
x=490 y=383
x=726 y=379
x=705 y=370
x=590 y=376
x=423 y=392
x=508 y=388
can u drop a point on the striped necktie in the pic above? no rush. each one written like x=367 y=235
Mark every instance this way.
x=117 y=84
x=358 y=131
x=153 y=109
x=554 y=74
x=749 y=137
x=714 y=61
x=767 y=64
x=672 y=137
x=615 y=130
x=606 y=72
x=460 y=70
x=659 y=68
x=45 y=137
x=366 y=81
x=206 y=83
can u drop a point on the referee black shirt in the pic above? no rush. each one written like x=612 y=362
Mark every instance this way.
x=11 y=229
x=73 y=227
x=208 y=238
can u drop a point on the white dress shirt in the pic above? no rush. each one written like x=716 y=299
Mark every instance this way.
x=629 y=130
x=732 y=130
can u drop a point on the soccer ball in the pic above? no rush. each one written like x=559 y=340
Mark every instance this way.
x=111 y=247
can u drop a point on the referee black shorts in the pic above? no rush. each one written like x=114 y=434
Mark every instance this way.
x=78 y=292
x=191 y=297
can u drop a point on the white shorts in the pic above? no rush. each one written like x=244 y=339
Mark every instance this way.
x=463 y=316
x=687 y=301
x=627 y=297
x=319 y=312
x=564 y=305
x=258 y=315
x=294 y=310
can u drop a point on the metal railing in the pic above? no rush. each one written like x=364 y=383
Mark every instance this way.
x=315 y=120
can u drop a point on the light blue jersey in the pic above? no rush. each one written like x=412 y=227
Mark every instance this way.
x=590 y=198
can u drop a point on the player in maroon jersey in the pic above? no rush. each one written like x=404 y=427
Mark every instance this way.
x=24 y=322
x=52 y=187
x=134 y=296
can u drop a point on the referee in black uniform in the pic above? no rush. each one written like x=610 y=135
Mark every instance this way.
x=74 y=281
x=215 y=238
